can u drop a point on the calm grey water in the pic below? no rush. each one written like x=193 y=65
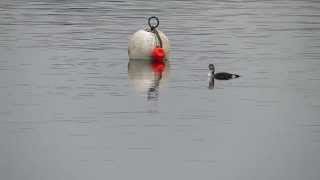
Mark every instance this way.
x=71 y=109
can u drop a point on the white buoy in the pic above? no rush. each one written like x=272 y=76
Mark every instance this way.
x=143 y=42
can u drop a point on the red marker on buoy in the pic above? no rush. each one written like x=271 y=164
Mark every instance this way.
x=158 y=54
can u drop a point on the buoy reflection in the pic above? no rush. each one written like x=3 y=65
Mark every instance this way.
x=147 y=76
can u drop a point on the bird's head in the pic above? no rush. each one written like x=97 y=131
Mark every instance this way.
x=211 y=67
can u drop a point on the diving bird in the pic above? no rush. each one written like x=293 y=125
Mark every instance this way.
x=220 y=75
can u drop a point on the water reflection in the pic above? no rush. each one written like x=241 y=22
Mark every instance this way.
x=147 y=76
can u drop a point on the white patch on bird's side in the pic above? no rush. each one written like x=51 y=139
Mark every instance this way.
x=234 y=76
x=210 y=74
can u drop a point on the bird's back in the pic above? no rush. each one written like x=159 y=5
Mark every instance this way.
x=225 y=76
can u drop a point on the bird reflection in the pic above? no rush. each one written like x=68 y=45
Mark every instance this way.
x=147 y=76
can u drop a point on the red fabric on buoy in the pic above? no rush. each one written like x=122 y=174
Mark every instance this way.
x=158 y=54
x=158 y=67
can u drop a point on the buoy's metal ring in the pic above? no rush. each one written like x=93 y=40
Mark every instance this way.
x=149 y=22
